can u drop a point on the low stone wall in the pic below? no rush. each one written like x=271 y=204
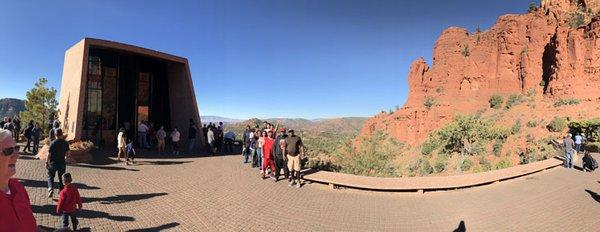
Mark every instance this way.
x=433 y=183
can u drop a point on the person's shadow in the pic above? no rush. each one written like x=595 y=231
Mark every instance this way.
x=461 y=227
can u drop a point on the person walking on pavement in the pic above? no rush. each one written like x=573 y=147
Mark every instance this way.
x=59 y=148
x=28 y=135
x=192 y=131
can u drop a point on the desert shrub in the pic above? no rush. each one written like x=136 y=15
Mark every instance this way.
x=429 y=102
x=513 y=100
x=566 y=102
x=530 y=138
x=466 y=165
x=463 y=132
x=531 y=93
x=497 y=147
x=592 y=147
x=429 y=146
x=439 y=89
x=485 y=164
x=557 y=124
x=496 y=101
x=465 y=50
x=577 y=19
x=374 y=158
x=425 y=167
x=532 y=7
x=503 y=163
x=441 y=163
x=516 y=128
x=532 y=123
x=591 y=128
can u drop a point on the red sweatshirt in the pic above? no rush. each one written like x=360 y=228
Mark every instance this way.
x=68 y=199
x=268 y=148
x=15 y=209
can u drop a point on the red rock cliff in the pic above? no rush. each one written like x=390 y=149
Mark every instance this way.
x=539 y=50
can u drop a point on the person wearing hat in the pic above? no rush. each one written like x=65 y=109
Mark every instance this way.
x=294 y=148
x=279 y=152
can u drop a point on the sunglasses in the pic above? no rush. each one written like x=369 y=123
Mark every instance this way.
x=9 y=151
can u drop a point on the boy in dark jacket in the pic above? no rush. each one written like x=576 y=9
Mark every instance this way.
x=130 y=152
x=69 y=201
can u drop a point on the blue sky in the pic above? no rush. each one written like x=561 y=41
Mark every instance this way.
x=253 y=58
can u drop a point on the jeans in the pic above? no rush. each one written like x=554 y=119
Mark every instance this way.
x=191 y=145
x=569 y=159
x=52 y=169
x=246 y=154
x=142 y=140
x=36 y=145
x=28 y=146
x=279 y=164
x=259 y=158
x=578 y=147
x=65 y=219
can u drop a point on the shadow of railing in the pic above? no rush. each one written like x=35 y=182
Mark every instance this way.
x=157 y=228
x=110 y=168
x=83 y=213
x=44 y=184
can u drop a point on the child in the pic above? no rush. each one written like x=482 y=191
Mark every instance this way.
x=130 y=152
x=69 y=202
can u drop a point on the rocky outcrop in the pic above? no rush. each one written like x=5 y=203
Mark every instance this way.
x=539 y=51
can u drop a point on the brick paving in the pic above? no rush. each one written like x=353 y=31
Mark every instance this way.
x=220 y=194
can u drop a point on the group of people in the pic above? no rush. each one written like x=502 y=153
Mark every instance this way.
x=573 y=147
x=15 y=205
x=216 y=140
x=271 y=153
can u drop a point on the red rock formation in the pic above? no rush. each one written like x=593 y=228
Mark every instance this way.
x=538 y=50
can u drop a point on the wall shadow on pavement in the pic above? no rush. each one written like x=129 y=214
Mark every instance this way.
x=160 y=162
x=117 y=199
x=594 y=195
x=157 y=228
x=44 y=184
x=110 y=168
x=27 y=157
x=461 y=227
x=83 y=213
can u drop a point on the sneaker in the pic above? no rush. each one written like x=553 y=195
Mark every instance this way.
x=50 y=193
x=291 y=183
x=299 y=185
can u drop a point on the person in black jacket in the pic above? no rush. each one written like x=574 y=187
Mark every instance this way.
x=280 y=159
x=28 y=135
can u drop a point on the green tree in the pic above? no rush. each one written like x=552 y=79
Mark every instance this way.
x=40 y=102
x=496 y=101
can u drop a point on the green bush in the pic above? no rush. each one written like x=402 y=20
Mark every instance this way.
x=516 y=128
x=513 y=100
x=592 y=147
x=466 y=165
x=565 y=102
x=591 y=128
x=504 y=163
x=439 y=89
x=465 y=50
x=374 y=158
x=531 y=92
x=497 y=147
x=532 y=123
x=577 y=19
x=429 y=102
x=441 y=163
x=424 y=166
x=429 y=146
x=496 y=101
x=532 y=7
x=557 y=124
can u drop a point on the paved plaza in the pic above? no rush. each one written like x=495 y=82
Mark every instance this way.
x=221 y=194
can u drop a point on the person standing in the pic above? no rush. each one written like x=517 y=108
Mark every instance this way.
x=175 y=137
x=69 y=201
x=142 y=134
x=259 y=150
x=56 y=161
x=121 y=143
x=28 y=135
x=160 y=138
x=210 y=138
x=17 y=131
x=36 y=134
x=294 y=148
x=578 y=142
x=192 y=131
x=268 y=155
x=279 y=155
x=229 y=138
x=569 y=144
x=10 y=127
x=15 y=206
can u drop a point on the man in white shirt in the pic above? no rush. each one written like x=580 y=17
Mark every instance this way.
x=142 y=133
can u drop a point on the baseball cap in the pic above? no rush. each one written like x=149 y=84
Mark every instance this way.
x=282 y=130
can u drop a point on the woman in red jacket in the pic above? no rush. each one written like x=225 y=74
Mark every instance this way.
x=267 y=151
x=15 y=209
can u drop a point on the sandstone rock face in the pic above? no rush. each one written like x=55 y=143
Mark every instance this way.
x=538 y=51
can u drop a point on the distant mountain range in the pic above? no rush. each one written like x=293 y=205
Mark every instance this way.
x=10 y=107
x=348 y=125
x=216 y=119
